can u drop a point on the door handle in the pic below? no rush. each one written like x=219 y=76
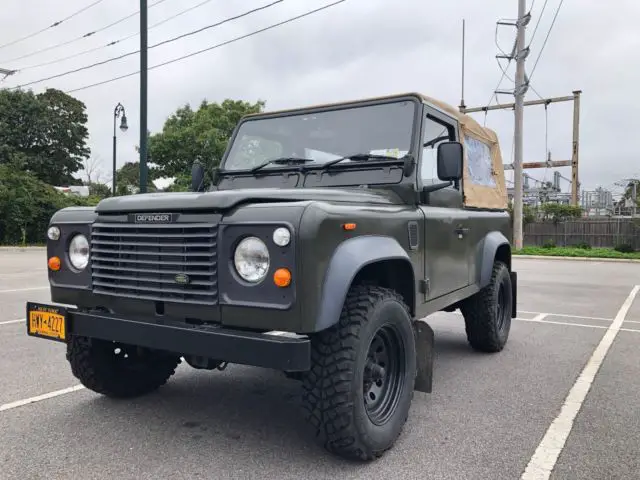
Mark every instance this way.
x=460 y=231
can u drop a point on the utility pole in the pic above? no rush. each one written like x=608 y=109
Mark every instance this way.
x=520 y=90
x=462 y=105
x=575 y=147
x=143 y=96
x=5 y=72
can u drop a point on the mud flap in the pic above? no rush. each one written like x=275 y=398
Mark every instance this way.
x=424 y=352
x=514 y=291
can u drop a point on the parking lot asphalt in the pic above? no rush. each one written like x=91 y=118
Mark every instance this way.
x=489 y=416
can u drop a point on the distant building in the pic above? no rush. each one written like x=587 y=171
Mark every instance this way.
x=79 y=190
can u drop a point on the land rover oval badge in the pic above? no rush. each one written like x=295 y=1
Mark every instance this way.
x=182 y=278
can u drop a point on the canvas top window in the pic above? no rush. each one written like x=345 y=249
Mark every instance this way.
x=382 y=129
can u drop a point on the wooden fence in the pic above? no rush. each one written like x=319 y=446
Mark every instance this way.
x=596 y=232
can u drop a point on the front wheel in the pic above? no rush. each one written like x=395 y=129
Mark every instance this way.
x=118 y=370
x=360 y=386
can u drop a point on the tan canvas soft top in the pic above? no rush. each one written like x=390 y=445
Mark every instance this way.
x=483 y=175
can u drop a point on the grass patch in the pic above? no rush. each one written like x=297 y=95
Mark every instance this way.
x=578 y=252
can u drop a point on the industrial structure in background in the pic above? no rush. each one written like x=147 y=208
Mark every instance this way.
x=600 y=202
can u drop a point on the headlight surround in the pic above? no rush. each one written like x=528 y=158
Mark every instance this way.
x=251 y=259
x=79 y=252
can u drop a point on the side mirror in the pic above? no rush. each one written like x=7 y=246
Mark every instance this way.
x=197 y=177
x=450 y=161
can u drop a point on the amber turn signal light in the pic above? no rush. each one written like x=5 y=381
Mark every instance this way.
x=282 y=277
x=54 y=264
x=349 y=226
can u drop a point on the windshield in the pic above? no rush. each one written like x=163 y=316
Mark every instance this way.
x=382 y=129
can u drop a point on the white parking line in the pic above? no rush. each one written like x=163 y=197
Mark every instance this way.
x=568 y=316
x=629 y=330
x=571 y=324
x=546 y=455
x=12 y=321
x=541 y=319
x=548 y=314
x=39 y=398
x=15 y=290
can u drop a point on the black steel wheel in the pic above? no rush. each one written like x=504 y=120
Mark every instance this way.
x=383 y=374
x=359 y=389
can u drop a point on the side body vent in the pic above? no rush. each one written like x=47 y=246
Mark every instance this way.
x=414 y=238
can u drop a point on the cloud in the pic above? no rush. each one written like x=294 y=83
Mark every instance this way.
x=357 y=49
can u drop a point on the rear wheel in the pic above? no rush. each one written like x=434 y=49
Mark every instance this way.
x=360 y=386
x=487 y=314
x=118 y=370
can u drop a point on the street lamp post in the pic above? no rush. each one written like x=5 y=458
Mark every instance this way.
x=119 y=110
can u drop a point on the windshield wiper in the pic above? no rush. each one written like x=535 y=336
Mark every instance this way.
x=283 y=161
x=362 y=157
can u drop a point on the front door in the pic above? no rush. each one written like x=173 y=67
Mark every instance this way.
x=446 y=239
x=446 y=225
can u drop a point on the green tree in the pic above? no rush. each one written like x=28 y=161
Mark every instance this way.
x=27 y=204
x=558 y=212
x=202 y=134
x=44 y=134
x=128 y=179
x=99 y=190
x=633 y=186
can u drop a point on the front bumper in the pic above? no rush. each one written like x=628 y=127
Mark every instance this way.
x=267 y=350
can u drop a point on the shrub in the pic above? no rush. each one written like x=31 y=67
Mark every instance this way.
x=582 y=246
x=624 y=248
x=26 y=206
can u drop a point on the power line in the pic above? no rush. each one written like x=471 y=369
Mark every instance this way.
x=506 y=75
x=513 y=53
x=86 y=35
x=533 y=35
x=53 y=25
x=114 y=42
x=128 y=54
x=289 y=20
x=504 y=70
x=546 y=38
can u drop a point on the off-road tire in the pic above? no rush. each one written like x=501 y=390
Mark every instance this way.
x=333 y=389
x=487 y=314
x=97 y=366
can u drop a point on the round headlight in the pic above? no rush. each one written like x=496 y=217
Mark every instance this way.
x=281 y=236
x=251 y=259
x=53 y=233
x=79 y=252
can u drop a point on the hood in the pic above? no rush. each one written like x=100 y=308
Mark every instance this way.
x=226 y=199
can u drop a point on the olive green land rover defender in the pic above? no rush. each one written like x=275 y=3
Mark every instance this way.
x=327 y=236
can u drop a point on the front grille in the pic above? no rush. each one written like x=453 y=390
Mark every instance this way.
x=153 y=262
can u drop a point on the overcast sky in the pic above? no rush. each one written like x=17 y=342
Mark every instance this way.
x=359 y=48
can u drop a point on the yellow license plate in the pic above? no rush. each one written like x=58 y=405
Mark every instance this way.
x=47 y=322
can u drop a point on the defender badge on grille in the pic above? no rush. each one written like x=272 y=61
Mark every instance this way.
x=182 y=279
x=152 y=217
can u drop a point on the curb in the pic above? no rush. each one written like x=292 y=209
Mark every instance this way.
x=22 y=249
x=578 y=259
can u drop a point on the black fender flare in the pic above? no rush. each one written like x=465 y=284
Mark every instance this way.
x=487 y=254
x=349 y=258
